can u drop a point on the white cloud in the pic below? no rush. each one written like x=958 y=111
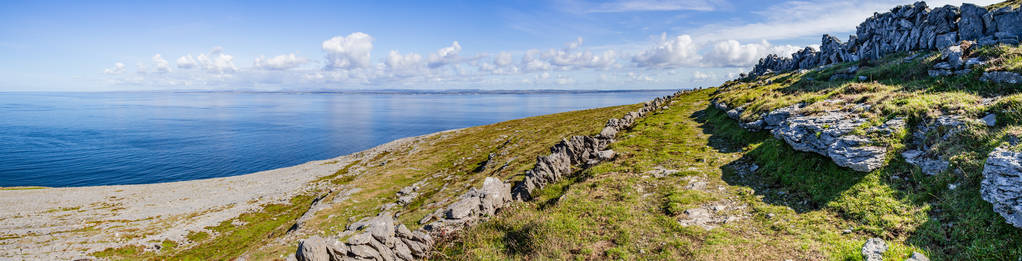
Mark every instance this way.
x=669 y=53
x=217 y=61
x=162 y=66
x=731 y=53
x=117 y=69
x=655 y=5
x=445 y=56
x=697 y=75
x=404 y=65
x=348 y=52
x=186 y=62
x=279 y=62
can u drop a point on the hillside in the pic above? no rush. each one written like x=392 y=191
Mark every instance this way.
x=807 y=158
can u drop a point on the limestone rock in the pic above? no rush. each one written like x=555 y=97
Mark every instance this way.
x=1002 y=184
x=1001 y=77
x=312 y=249
x=990 y=120
x=970 y=26
x=873 y=249
x=916 y=256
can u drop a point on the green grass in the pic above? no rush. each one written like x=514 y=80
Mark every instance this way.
x=798 y=203
x=447 y=162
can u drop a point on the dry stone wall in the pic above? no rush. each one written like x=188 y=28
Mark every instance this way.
x=379 y=238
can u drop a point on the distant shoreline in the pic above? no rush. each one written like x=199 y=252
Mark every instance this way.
x=382 y=91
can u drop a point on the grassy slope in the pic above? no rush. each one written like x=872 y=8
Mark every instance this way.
x=615 y=211
x=448 y=160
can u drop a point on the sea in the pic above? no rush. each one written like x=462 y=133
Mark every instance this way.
x=113 y=138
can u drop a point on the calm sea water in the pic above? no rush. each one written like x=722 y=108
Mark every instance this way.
x=84 y=139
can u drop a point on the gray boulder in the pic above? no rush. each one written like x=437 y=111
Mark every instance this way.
x=873 y=249
x=1001 y=77
x=1002 y=184
x=990 y=120
x=312 y=249
x=916 y=256
x=1008 y=21
x=970 y=26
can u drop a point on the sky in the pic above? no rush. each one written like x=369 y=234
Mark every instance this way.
x=358 y=45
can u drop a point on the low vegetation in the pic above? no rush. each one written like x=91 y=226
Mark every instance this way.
x=446 y=164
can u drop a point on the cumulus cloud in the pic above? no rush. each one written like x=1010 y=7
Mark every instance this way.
x=279 y=62
x=404 y=65
x=216 y=61
x=186 y=62
x=731 y=53
x=571 y=57
x=445 y=56
x=161 y=65
x=669 y=52
x=348 y=52
x=118 y=68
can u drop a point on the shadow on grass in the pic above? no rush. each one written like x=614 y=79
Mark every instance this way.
x=803 y=181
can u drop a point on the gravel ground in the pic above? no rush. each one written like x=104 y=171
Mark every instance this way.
x=69 y=223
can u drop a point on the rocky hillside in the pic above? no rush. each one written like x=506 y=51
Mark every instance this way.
x=902 y=143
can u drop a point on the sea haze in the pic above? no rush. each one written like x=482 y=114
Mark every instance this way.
x=85 y=139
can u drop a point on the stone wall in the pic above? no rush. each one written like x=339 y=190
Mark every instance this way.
x=378 y=238
x=905 y=28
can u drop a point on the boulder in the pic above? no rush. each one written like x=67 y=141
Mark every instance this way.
x=463 y=208
x=916 y=256
x=1008 y=21
x=873 y=249
x=970 y=26
x=1001 y=77
x=312 y=249
x=1002 y=184
x=946 y=40
x=495 y=194
x=990 y=120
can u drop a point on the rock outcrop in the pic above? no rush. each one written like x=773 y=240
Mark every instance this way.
x=378 y=238
x=905 y=28
x=1002 y=184
x=829 y=133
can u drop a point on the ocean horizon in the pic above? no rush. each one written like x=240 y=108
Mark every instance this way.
x=59 y=139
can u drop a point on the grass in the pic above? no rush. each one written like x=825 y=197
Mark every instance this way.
x=1009 y=3
x=446 y=164
x=21 y=188
x=615 y=210
x=799 y=205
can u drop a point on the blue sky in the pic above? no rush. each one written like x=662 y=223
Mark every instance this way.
x=324 y=45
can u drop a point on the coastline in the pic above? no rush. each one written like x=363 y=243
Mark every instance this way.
x=71 y=222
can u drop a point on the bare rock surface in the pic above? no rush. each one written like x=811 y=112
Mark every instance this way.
x=1002 y=184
